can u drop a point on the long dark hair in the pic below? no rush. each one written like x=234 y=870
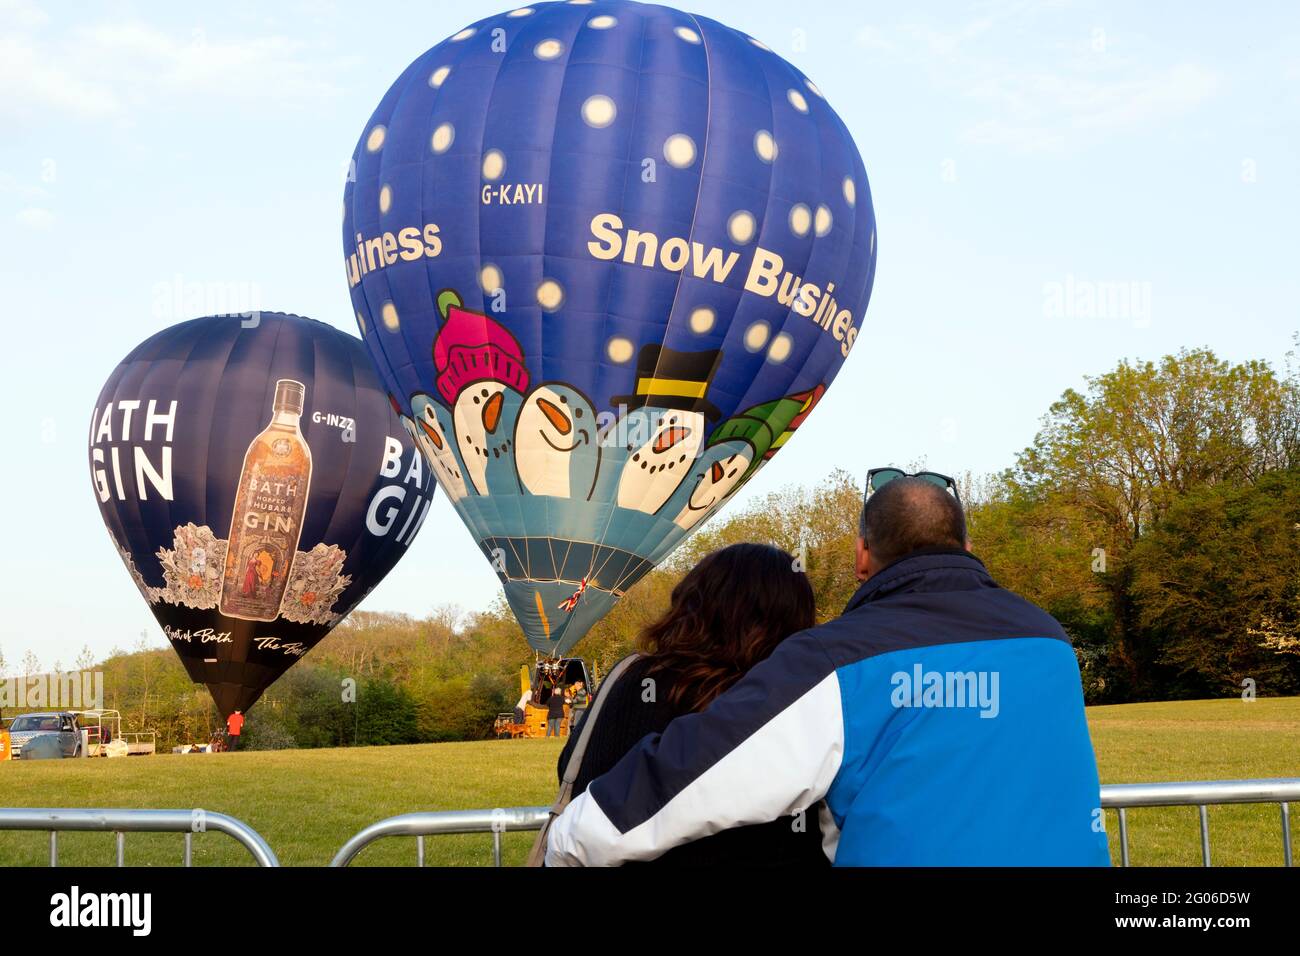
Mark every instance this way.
x=728 y=613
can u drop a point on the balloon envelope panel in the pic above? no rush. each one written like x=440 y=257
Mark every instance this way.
x=257 y=484
x=609 y=256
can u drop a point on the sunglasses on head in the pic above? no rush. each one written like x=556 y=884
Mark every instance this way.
x=877 y=478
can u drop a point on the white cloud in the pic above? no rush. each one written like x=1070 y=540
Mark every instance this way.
x=21 y=13
x=1045 y=110
x=1036 y=95
x=36 y=218
x=107 y=69
x=873 y=38
x=30 y=81
x=10 y=185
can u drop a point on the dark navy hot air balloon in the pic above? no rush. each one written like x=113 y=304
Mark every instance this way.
x=257 y=483
x=609 y=256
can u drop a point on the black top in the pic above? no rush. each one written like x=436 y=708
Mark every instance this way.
x=624 y=719
x=555 y=704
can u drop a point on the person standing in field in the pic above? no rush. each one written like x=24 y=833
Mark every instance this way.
x=234 y=727
x=555 y=711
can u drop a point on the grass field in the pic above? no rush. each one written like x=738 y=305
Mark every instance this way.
x=307 y=803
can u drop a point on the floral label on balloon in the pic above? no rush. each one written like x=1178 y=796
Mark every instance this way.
x=192 y=575
x=314 y=585
x=192 y=568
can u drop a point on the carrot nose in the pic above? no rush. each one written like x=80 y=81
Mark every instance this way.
x=669 y=437
x=556 y=416
x=433 y=435
x=492 y=412
x=717 y=472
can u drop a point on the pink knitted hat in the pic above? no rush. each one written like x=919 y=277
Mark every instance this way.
x=470 y=347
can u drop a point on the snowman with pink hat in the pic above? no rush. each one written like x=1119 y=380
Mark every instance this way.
x=482 y=377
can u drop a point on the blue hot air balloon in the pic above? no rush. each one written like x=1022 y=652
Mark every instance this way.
x=257 y=481
x=608 y=256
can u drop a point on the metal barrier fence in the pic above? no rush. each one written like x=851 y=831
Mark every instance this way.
x=1119 y=797
x=1126 y=796
x=121 y=822
x=420 y=825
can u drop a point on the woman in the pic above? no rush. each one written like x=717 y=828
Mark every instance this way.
x=726 y=615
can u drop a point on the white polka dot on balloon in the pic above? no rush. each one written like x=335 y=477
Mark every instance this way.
x=741 y=226
x=850 y=191
x=439 y=76
x=361 y=323
x=489 y=278
x=620 y=349
x=756 y=336
x=764 y=146
x=463 y=35
x=687 y=34
x=813 y=86
x=385 y=198
x=494 y=164
x=389 y=314
x=599 y=111
x=521 y=12
x=603 y=22
x=548 y=49
x=822 y=221
x=797 y=100
x=760 y=44
x=442 y=138
x=375 y=141
x=679 y=150
x=550 y=295
x=780 y=348
x=702 y=319
x=800 y=219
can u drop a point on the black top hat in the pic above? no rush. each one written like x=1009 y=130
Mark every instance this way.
x=667 y=378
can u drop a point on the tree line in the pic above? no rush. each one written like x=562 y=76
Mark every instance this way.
x=1156 y=515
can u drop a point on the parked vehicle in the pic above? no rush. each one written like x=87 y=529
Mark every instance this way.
x=106 y=738
x=64 y=728
x=60 y=726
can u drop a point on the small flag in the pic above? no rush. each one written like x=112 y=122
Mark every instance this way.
x=570 y=603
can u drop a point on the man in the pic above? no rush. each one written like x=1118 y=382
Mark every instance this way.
x=234 y=727
x=521 y=706
x=938 y=721
x=555 y=710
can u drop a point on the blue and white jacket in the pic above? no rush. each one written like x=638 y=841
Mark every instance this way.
x=938 y=722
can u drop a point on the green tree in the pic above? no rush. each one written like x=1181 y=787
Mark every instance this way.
x=1222 y=563
x=1109 y=462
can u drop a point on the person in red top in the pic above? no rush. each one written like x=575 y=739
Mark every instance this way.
x=234 y=726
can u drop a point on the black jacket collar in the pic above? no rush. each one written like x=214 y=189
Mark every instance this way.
x=907 y=573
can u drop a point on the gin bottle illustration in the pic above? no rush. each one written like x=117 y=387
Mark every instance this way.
x=269 y=507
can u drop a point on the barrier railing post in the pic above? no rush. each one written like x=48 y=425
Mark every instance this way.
x=1205 y=836
x=1286 y=834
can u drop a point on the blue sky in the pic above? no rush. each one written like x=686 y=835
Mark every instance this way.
x=1058 y=186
